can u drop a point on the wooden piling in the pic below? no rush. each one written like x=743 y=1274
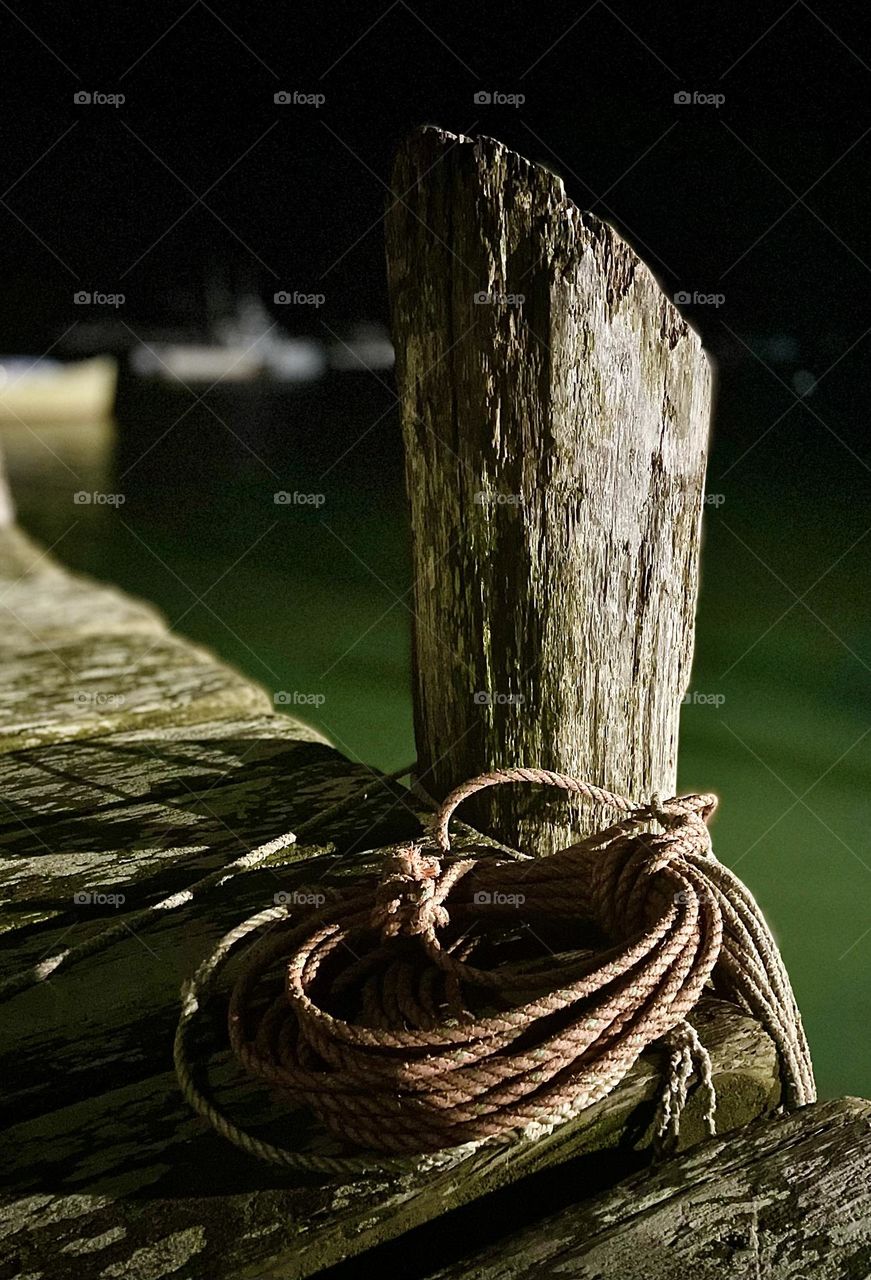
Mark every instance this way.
x=555 y=412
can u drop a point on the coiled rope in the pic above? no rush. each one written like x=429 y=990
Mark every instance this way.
x=393 y=1015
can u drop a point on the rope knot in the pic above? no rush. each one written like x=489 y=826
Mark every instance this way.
x=628 y=889
x=409 y=897
x=685 y=823
x=694 y=809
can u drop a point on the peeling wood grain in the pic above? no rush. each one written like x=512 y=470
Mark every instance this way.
x=787 y=1199
x=555 y=459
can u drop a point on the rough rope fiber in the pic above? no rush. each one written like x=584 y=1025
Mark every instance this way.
x=401 y=1014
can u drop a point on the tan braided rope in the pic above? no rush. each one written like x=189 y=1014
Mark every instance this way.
x=391 y=1014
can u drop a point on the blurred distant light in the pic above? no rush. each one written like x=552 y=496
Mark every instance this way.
x=189 y=362
x=804 y=383
x=367 y=347
x=296 y=360
x=36 y=389
x=782 y=348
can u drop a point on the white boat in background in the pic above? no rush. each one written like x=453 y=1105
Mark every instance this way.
x=203 y=365
x=35 y=391
x=248 y=347
x=249 y=370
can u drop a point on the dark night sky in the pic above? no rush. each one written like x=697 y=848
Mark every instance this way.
x=712 y=197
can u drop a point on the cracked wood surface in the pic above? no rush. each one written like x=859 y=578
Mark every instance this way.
x=787 y=1199
x=142 y=815
x=555 y=409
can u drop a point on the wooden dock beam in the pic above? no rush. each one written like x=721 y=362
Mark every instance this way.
x=555 y=411
x=784 y=1199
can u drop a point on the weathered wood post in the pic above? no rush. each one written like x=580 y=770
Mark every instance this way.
x=555 y=409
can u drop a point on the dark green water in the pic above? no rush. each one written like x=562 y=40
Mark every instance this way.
x=314 y=601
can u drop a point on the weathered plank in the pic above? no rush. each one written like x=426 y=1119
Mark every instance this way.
x=93 y=1115
x=45 y=600
x=112 y=811
x=81 y=1174
x=555 y=411
x=136 y=816
x=101 y=1119
x=81 y=659
x=788 y=1199
x=83 y=688
x=44 y=606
